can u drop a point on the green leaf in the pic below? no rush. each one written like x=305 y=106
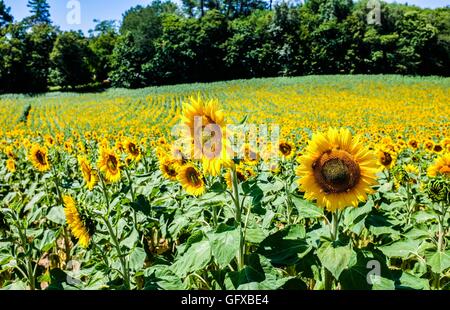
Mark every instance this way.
x=36 y=198
x=137 y=259
x=160 y=277
x=439 y=262
x=306 y=209
x=402 y=249
x=383 y=284
x=335 y=258
x=47 y=240
x=131 y=240
x=56 y=215
x=224 y=244
x=409 y=281
x=285 y=247
x=195 y=258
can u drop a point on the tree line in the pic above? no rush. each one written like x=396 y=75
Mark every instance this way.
x=209 y=40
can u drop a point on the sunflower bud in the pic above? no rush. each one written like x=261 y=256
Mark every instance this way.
x=438 y=190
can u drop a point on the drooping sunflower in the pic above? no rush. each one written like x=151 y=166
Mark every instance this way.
x=80 y=226
x=336 y=170
x=441 y=166
x=286 y=149
x=11 y=165
x=109 y=164
x=89 y=175
x=169 y=167
x=191 y=179
x=39 y=158
x=132 y=149
x=386 y=158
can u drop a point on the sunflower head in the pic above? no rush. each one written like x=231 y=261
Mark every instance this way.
x=132 y=149
x=205 y=122
x=11 y=165
x=89 y=175
x=109 y=164
x=429 y=145
x=438 y=149
x=286 y=149
x=413 y=144
x=39 y=158
x=336 y=170
x=440 y=167
x=438 y=189
x=169 y=168
x=191 y=179
x=80 y=224
x=386 y=158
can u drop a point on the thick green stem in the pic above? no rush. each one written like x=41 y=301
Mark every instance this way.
x=133 y=196
x=334 y=232
x=113 y=235
x=116 y=243
x=29 y=266
x=240 y=255
x=61 y=202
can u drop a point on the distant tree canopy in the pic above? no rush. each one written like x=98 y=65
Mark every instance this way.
x=208 y=40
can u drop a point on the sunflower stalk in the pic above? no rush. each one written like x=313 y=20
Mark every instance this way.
x=334 y=233
x=133 y=195
x=61 y=203
x=236 y=199
x=113 y=235
x=23 y=240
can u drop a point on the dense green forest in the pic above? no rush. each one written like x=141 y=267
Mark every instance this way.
x=208 y=40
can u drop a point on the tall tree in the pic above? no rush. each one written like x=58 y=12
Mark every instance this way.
x=40 y=11
x=5 y=16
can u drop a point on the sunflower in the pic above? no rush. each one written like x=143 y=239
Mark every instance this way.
x=11 y=165
x=191 y=180
x=243 y=174
x=132 y=149
x=411 y=169
x=438 y=149
x=441 y=166
x=89 y=175
x=39 y=158
x=49 y=141
x=169 y=168
x=413 y=143
x=251 y=157
x=198 y=115
x=386 y=158
x=286 y=149
x=429 y=145
x=80 y=229
x=336 y=170
x=9 y=151
x=109 y=164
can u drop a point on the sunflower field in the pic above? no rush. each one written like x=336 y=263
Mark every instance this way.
x=99 y=191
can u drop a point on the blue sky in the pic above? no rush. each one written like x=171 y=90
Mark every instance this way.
x=113 y=9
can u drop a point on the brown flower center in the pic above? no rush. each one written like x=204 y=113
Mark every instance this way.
x=40 y=157
x=112 y=163
x=193 y=176
x=285 y=148
x=386 y=159
x=437 y=148
x=336 y=171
